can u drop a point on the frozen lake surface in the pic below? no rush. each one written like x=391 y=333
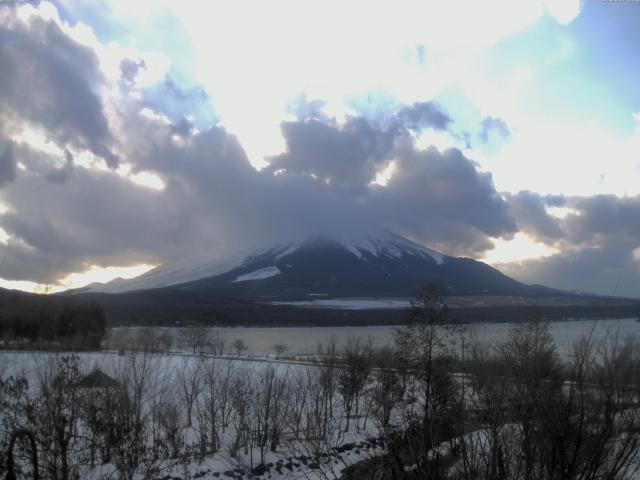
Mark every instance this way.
x=305 y=340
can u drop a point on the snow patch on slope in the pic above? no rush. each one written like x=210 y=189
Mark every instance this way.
x=182 y=271
x=352 y=303
x=261 y=274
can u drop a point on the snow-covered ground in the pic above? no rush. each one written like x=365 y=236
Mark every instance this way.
x=292 y=458
x=165 y=376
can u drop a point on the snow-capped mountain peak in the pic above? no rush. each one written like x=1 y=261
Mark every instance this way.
x=372 y=264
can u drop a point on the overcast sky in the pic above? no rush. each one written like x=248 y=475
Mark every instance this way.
x=135 y=133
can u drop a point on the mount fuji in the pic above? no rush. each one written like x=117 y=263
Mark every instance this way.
x=373 y=265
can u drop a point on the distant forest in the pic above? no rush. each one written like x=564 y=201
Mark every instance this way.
x=81 y=319
x=51 y=322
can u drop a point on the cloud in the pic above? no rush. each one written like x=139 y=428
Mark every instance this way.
x=529 y=211
x=597 y=240
x=62 y=174
x=215 y=201
x=608 y=271
x=7 y=162
x=442 y=199
x=493 y=126
x=346 y=156
x=423 y=115
x=50 y=81
x=129 y=69
x=64 y=212
x=184 y=128
x=93 y=218
x=603 y=219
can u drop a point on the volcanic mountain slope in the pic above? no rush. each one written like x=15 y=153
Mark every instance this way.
x=381 y=265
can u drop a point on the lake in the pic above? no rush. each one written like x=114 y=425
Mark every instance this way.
x=304 y=340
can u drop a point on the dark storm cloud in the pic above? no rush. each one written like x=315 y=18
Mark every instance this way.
x=603 y=217
x=441 y=199
x=608 y=271
x=347 y=156
x=48 y=80
x=225 y=200
x=596 y=241
x=493 y=126
x=529 y=211
x=590 y=221
x=94 y=218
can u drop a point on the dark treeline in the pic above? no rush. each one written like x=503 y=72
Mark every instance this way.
x=171 y=307
x=175 y=307
x=51 y=322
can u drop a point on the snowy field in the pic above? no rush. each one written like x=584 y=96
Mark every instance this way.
x=305 y=340
x=239 y=391
x=252 y=416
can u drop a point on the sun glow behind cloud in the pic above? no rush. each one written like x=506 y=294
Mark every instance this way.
x=93 y=274
x=521 y=247
x=261 y=55
x=96 y=273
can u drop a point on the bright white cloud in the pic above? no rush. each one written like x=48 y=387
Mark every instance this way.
x=385 y=174
x=561 y=212
x=559 y=158
x=253 y=57
x=4 y=236
x=564 y=11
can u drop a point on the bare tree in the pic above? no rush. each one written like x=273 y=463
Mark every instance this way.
x=387 y=388
x=353 y=376
x=328 y=358
x=214 y=402
x=241 y=394
x=169 y=418
x=280 y=348
x=197 y=338
x=217 y=342
x=270 y=408
x=189 y=378
x=239 y=346
x=56 y=414
x=129 y=421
